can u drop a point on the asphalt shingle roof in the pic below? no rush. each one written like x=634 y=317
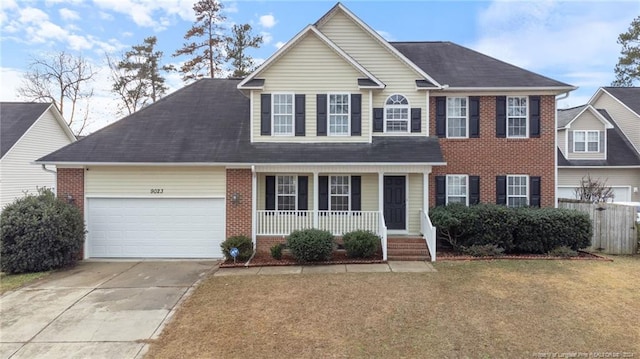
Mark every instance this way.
x=567 y=115
x=208 y=122
x=630 y=96
x=458 y=66
x=15 y=119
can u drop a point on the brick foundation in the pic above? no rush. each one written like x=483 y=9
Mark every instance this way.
x=238 y=214
x=489 y=156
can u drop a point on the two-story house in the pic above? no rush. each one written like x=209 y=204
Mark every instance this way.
x=601 y=139
x=339 y=130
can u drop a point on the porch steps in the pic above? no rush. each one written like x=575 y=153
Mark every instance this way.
x=407 y=249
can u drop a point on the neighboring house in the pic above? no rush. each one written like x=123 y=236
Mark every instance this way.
x=601 y=139
x=338 y=130
x=28 y=131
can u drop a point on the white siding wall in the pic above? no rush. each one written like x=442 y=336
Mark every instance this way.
x=397 y=76
x=614 y=177
x=17 y=174
x=138 y=181
x=628 y=122
x=310 y=67
x=587 y=122
x=562 y=141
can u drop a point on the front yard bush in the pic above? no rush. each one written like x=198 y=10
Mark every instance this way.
x=310 y=245
x=483 y=250
x=244 y=245
x=276 y=251
x=361 y=244
x=39 y=233
x=521 y=230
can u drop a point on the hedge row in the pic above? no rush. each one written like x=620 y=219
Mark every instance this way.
x=516 y=230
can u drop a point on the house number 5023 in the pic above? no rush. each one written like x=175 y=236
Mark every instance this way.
x=157 y=190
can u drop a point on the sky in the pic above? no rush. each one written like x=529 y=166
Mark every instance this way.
x=570 y=41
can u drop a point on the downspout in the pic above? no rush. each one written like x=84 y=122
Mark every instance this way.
x=555 y=149
x=44 y=168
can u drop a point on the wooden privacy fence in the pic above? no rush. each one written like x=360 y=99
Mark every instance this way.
x=614 y=226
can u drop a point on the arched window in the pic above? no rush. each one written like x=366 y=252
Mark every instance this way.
x=396 y=114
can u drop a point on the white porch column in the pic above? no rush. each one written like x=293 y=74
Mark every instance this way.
x=315 y=199
x=381 y=191
x=425 y=193
x=254 y=205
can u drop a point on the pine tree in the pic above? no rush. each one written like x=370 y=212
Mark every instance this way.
x=204 y=42
x=136 y=76
x=240 y=40
x=628 y=68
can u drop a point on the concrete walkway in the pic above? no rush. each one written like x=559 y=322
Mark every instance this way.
x=391 y=266
x=96 y=310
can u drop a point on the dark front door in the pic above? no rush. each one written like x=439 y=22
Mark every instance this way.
x=395 y=205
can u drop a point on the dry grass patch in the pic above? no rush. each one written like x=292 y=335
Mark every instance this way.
x=14 y=281
x=468 y=309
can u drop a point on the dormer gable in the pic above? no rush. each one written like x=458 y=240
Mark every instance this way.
x=623 y=104
x=583 y=133
x=365 y=80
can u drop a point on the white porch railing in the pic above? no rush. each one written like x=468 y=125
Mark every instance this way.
x=282 y=223
x=382 y=232
x=429 y=233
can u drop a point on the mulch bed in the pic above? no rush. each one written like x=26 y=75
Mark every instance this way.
x=340 y=257
x=337 y=257
x=453 y=256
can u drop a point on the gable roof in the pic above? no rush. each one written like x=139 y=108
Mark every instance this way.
x=629 y=96
x=460 y=67
x=250 y=81
x=567 y=116
x=208 y=122
x=620 y=151
x=340 y=7
x=15 y=119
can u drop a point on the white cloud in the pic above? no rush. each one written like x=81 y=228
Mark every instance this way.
x=105 y=16
x=385 y=35
x=268 y=21
x=68 y=15
x=231 y=7
x=279 y=44
x=32 y=15
x=11 y=80
x=266 y=37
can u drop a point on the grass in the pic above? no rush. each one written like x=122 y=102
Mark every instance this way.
x=478 y=309
x=14 y=281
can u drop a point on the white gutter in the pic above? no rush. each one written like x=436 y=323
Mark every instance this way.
x=555 y=150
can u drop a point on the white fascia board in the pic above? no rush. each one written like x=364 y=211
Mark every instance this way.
x=386 y=44
x=603 y=167
x=63 y=124
x=595 y=112
x=232 y=164
x=555 y=90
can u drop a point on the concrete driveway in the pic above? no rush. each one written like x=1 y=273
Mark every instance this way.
x=96 y=310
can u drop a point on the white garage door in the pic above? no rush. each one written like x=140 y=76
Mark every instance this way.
x=155 y=228
x=622 y=194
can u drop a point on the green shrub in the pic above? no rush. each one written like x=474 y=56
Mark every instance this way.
x=484 y=250
x=520 y=230
x=463 y=226
x=540 y=230
x=276 y=251
x=310 y=245
x=39 y=233
x=244 y=245
x=361 y=244
x=563 y=251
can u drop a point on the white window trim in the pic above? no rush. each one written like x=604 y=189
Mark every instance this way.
x=340 y=195
x=586 y=141
x=466 y=118
x=329 y=133
x=466 y=178
x=408 y=106
x=527 y=183
x=295 y=178
x=293 y=114
x=526 y=131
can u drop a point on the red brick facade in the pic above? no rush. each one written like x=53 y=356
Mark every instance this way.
x=71 y=183
x=239 y=214
x=489 y=156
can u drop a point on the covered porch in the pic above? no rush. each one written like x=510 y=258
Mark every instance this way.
x=389 y=200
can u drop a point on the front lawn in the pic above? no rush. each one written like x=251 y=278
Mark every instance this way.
x=479 y=309
x=14 y=281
